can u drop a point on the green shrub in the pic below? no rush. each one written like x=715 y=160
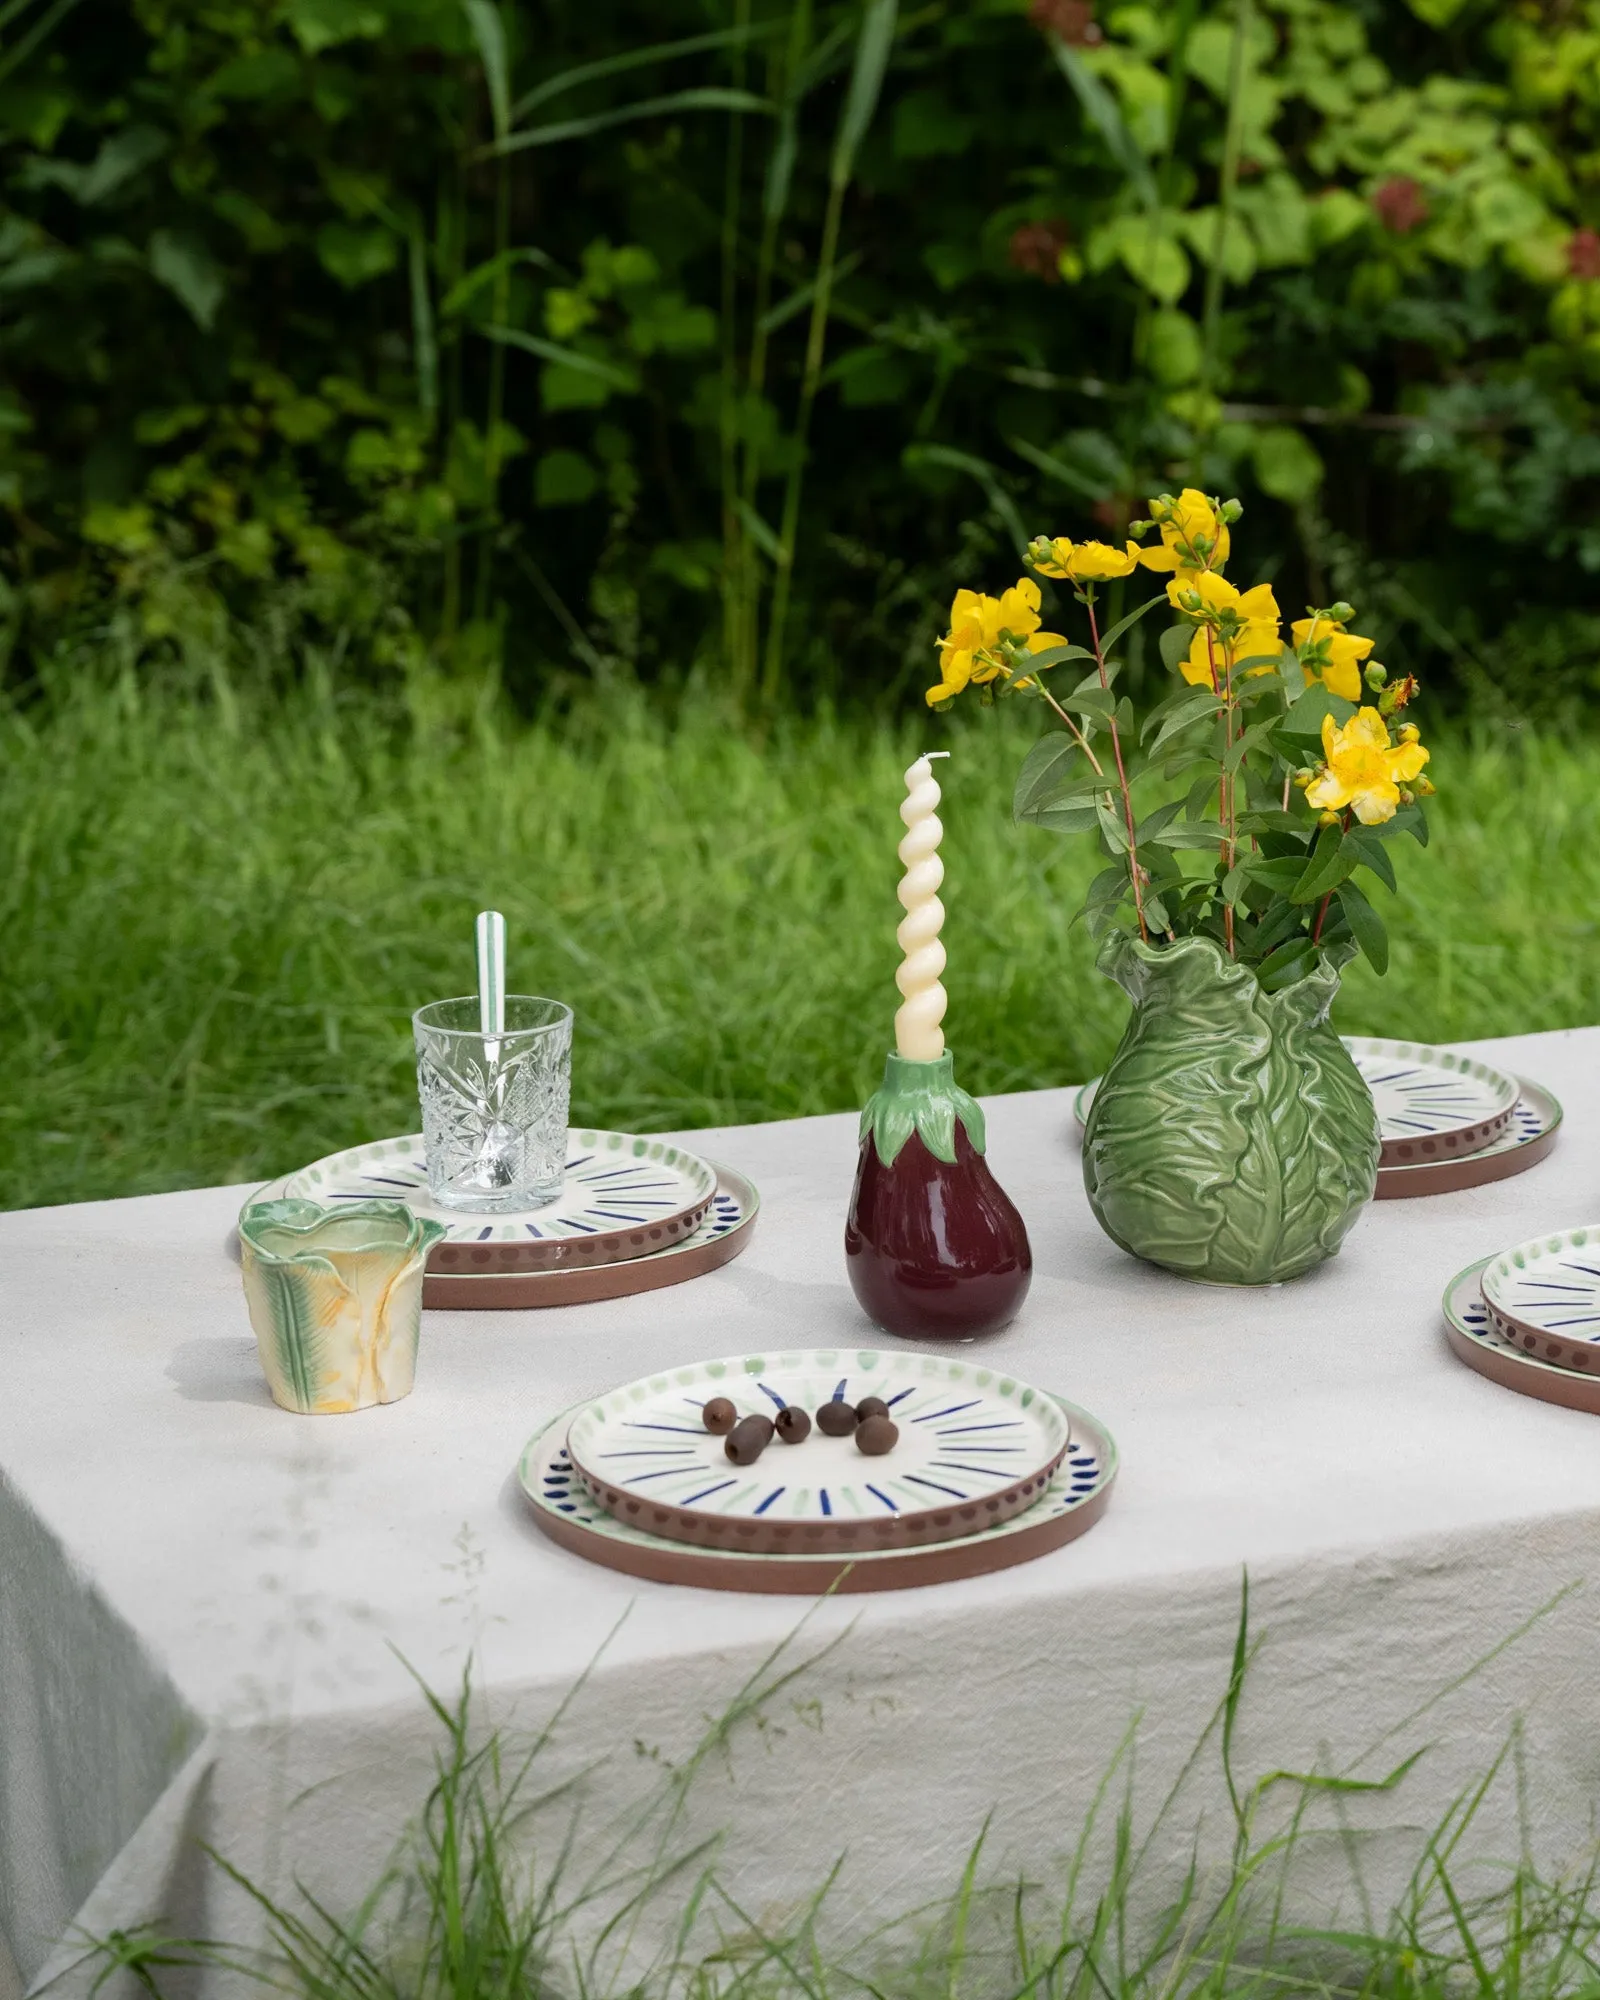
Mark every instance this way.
x=741 y=330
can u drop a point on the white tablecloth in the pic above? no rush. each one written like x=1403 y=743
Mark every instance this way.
x=206 y=1603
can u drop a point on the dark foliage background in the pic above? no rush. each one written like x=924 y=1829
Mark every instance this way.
x=557 y=338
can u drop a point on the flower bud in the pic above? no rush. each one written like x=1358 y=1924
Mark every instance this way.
x=1341 y=613
x=1231 y=510
x=1426 y=788
x=1408 y=733
x=1305 y=778
x=1407 y=798
x=1327 y=819
x=1375 y=674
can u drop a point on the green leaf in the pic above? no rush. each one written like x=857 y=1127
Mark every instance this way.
x=118 y=160
x=1065 y=818
x=1374 y=855
x=710 y=97
x=1191 y=833
x=424 y=341
x=1290 y=962
x=1044 y=766
x=1272 y=821
x=1303 y=720
x=1055 y=656
x=1286 y=464
x=355 y=253
x=691 y=45
x=981 y=470
x=489 y=32
x=1199 y=705
x=1058 y=469
x=1110 y=885
x=1278 y=922
x=323 y=24
x=1175 y=643
x=1109 y=639
x=1248 y=740
x=1331 y=861
x=1112 y=825
x=563 y=479
x=567 y=357
x=189 y=271
x=1279 y=873
x=1099 y=107
x=1366 y=926
x=1163 y=816
x=873 y=45
x=1408 y=819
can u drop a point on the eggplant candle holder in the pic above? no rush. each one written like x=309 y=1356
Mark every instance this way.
x=934 y=1248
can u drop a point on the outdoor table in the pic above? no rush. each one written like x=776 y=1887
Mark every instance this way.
x=211 y=1611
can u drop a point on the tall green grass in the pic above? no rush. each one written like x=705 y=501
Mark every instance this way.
x=217 y=916
x=501 y=1889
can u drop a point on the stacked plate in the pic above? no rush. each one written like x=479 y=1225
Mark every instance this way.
x=633 y=1215
x=1529 y=1318
x=1446 y=1121
x=986 y=1472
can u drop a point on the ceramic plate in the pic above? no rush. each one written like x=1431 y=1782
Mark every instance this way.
x=724 y=1234
x=1524 y=1142
x=975 y=1447
x=1432 y=1103
x=624 y=1197
x=1074 y=1500
x=1476 y=1341
x=1544 y=1297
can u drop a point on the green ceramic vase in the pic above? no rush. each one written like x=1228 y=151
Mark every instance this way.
x=1232 y=1139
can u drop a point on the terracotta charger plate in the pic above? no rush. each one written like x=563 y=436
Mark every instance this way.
x=1535 y=1120
x=1543 y=1296
x=1475 y=1339
x=1075 y=1498
x=975 y=1447
x=724 y=1234
x=625 y=1196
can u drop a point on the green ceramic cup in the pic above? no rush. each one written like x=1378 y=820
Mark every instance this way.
x=335 y=1297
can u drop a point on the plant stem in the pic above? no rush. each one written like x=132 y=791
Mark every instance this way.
x=816 y=341
x=1122 y=777
x=1223 y=688
x=1322 y=907
x=1078 y=736
x=495 y=412
x=773 y=204
x=733 y=553
x=1229 y=182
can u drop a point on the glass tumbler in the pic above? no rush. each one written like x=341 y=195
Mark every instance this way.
x=494 y=1107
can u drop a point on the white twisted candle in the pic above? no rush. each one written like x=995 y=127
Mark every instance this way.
x=917 y=1033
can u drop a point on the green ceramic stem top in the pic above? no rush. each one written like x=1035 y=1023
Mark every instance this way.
x=920 y=1097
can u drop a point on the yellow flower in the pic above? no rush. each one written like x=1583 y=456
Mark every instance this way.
x=1340 y=673
x=1086 y=562
x=1362 y=769
x=1257 y=638
x=970 y=651
x=1184 y=524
